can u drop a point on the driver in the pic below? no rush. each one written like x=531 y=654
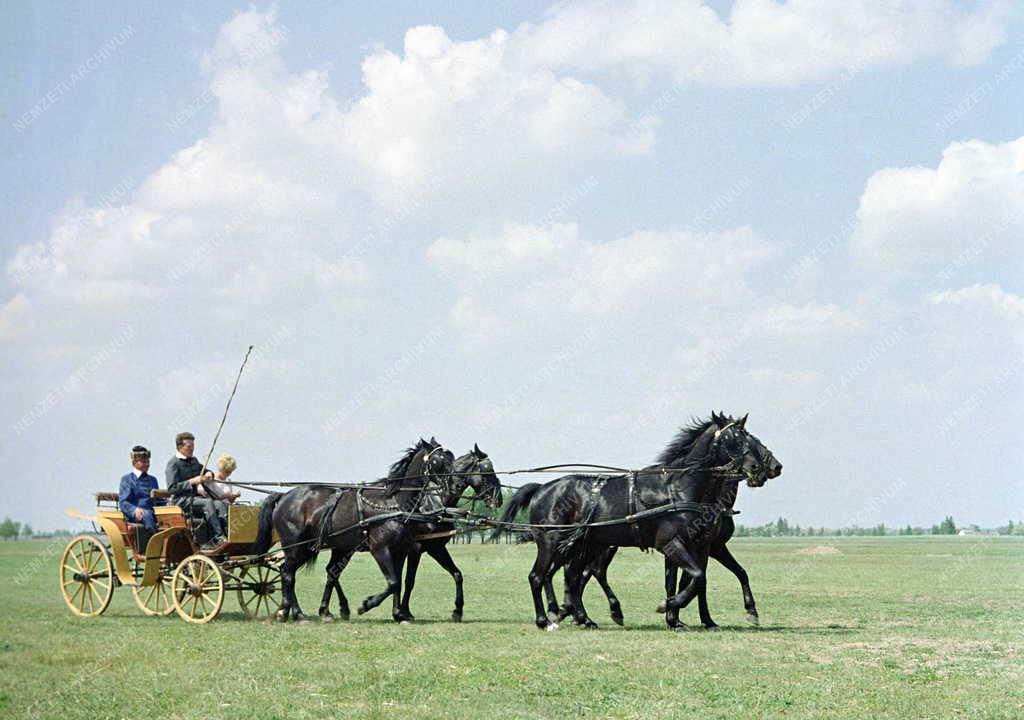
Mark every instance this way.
x=185 y=478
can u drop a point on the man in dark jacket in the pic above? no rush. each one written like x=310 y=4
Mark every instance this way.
x=185 y=478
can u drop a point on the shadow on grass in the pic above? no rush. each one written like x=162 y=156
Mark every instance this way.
x=660 y=627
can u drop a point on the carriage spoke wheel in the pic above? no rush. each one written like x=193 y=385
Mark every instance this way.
x=156 y=599
x=197 y=589
x=259 y=595
x=86 y=576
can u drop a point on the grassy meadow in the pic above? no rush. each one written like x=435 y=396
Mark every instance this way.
x=915 y=627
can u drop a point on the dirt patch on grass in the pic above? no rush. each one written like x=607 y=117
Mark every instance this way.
x=819 y=550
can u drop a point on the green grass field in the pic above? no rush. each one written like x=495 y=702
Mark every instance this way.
x=917 y=627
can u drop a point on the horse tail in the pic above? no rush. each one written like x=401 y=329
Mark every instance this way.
x=520 y=500
x=309 y=563
x=265 y=534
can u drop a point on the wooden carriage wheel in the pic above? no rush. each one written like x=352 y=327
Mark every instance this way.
x=260 y=594
x=86 y=576
x=156 y=599
x=197 y=589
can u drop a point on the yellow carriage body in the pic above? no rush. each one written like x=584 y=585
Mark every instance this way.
x=171 y=573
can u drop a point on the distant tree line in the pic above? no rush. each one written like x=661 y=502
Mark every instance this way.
x=782 y=528
x=13 y=530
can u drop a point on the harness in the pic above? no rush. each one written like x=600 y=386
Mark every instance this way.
x=631 y=510
x=578 y=534
x=326 y=522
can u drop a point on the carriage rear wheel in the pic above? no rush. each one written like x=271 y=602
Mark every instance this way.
x=156 y=599
x=197 y=589
x=86 y=576
x=259 y=594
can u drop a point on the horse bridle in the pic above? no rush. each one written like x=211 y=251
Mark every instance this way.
x=733 y=469
x=473 y=469
x=495 y=493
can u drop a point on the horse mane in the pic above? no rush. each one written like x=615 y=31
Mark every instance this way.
x=682 y=444
x=398 y=471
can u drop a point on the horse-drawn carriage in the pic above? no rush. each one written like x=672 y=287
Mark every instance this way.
x=172 y=572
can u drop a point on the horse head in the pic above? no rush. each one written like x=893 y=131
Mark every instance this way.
x=735 y=450
x=425 y=462
x=475 y=470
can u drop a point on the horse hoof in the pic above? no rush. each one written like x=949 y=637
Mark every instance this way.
x=405 y=622
x=457 y=617
x=302 y=619
x=551 y=627
x=712 y=628
x=589 y=625
x=345 y=615
x=326 y=618
x=282 y=616
x=362 y=609
x=681 y=627
x=662 y=607
x=618 y=620
x=753 y=619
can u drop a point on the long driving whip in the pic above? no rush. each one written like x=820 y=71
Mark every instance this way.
x=223 y=418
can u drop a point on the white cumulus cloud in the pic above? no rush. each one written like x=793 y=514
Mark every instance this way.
x=762 y=42
x=971 y=205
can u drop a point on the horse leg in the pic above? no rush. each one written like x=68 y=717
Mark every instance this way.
x=600 y=571
x=332 y=575
x=339 y=560
x=444 y=559
x=676 y=553
x=397 y=612
x=721 y=553
x=567 y=607
x=553 y=608
x=386 y=562
x=412 y=563
x=702 y=599
x=543 y=567
x=343 y=610
x=574 y=583
x=290 y=603
x=671 y=614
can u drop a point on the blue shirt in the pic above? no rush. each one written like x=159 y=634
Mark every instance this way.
x=134 y=493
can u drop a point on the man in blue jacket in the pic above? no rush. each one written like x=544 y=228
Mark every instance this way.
x=133 y=496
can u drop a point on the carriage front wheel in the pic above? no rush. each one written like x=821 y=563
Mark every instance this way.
x=86 y=576
x=197 y=589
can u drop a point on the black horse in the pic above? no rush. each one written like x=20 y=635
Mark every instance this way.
x=472 y=470
x=313 y=517
x=717 y=550
x=597 y=569
x=690 y=475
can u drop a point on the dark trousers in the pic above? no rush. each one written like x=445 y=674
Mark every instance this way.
x=214 y=512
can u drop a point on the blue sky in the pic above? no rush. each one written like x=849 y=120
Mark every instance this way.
x=558 y=232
